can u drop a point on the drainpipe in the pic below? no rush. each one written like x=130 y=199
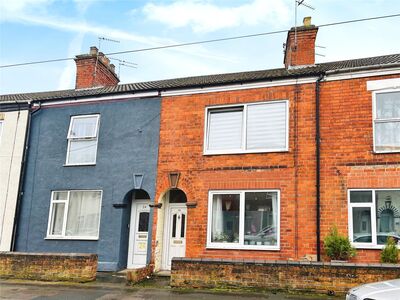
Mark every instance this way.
x=22 y=173
x=318 y=164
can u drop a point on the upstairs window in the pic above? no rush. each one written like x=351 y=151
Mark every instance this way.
x=387 y=121
x=247 y=128
x=82 y=140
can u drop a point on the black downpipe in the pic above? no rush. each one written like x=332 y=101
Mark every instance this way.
x=318 y=164
x=22 y=175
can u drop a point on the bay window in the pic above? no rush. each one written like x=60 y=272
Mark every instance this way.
x=247 y=128
x=74 y=214
x=374 y=216
x=243 y=220
x=82 y=140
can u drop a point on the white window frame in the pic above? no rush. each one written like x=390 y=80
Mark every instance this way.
x=50 y=236
x=1 y=129
x=375 y=120
x=243 y=149
x=372 y=206
x=70 y=138
x=242 y=208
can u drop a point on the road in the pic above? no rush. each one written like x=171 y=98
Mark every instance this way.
x=53 y=292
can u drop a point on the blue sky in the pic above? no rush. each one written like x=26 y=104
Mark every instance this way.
x=32 y=30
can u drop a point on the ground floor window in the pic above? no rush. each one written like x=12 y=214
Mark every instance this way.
x=374 y=215
x=74 y=214
x=243 y=219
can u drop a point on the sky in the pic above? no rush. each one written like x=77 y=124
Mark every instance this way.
x=34 y=30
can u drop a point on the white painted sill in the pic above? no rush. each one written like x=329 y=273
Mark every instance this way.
x=258 y=151
x=370 y=247
x=80 y=238
x=79 y=165
x=242 y=247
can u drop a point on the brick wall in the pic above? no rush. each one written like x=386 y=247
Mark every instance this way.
x=347 y=157
x=310 y=277
x=347 y=161
x=181 y=149
x=48 y=266
x=140 y=274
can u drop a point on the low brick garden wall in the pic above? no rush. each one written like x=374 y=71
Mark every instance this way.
x=137 y=275
x=315 y=277
x=78 y=267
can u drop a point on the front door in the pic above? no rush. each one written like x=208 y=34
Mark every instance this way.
x=139 y=228
x=175 y=241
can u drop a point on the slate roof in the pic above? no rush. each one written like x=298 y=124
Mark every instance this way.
x=377 y=62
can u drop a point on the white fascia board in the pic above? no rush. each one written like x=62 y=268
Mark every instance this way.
x=383 y=84
x=330 y=76
x=234 y=87
x=104 y=98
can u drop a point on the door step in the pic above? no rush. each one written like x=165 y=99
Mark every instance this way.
x=163 y=273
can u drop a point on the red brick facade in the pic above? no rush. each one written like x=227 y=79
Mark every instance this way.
x=347 y=161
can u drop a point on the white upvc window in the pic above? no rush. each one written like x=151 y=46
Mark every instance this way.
x=247 y=220
x=82 y=140
x=74 y=215
x=374 y=215
x=247 y=128
x=386 y=114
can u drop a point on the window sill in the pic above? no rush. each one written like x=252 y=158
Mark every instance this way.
x=371 y=247
x=224 y=246
x=386 y=152
x=79 y=165
x=259 y=151
x=80 y=238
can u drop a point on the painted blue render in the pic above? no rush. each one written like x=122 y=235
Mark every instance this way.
x=127 y=144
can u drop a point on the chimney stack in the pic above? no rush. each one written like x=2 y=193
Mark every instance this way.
x=300 y=51
x=94 y=70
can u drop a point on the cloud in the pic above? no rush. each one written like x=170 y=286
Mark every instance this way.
x=202 y=16
x=84 y=27
x=10 y=9
x=67 y=78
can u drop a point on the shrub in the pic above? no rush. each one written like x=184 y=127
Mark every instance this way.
x=338 y=247
x=390 y=254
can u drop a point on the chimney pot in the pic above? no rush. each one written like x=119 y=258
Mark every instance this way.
x=93 y=50
x=112 y=66
x=307 y=21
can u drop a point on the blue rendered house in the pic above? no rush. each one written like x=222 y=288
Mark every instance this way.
x=90 y=174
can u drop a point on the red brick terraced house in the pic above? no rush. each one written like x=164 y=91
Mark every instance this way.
x=254 y=165
x=262 y=164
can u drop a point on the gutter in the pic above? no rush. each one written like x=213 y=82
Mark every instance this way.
x=22 y=174
x=318 y=163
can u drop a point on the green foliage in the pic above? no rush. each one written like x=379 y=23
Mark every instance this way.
x=337 y=246
x=390 y=254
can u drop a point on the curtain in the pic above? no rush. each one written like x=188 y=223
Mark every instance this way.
x=83 y=214
x=218 y=217
x=84 y=127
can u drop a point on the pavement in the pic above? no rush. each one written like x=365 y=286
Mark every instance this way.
x=113 y=288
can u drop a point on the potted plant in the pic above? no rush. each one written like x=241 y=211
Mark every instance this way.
x=390 y=254
x=338 y=247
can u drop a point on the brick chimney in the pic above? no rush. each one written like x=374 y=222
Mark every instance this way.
x=94 y=70
x=302 y=51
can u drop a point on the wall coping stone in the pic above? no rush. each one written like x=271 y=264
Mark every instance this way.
x=6 y=253
x=284 y=263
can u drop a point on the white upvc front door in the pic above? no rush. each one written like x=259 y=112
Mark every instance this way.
x=138 y=234
x=175 y=233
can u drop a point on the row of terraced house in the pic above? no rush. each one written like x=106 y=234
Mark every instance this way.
x=250 y=165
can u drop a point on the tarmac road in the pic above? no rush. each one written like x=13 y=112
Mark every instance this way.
x=53 y=292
